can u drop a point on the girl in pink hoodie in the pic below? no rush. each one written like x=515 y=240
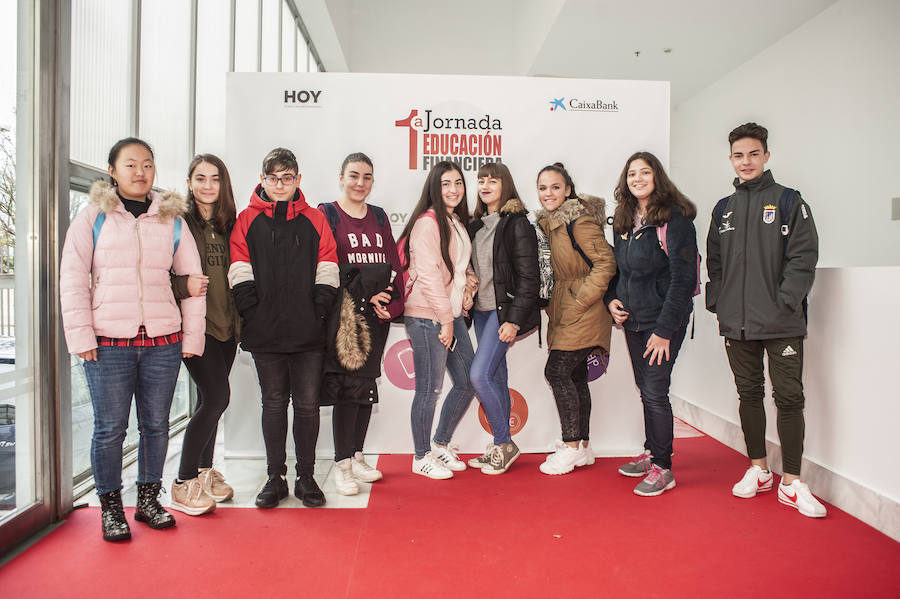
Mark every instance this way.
x=120 y=316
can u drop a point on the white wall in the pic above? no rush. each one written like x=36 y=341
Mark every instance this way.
x=829 y=93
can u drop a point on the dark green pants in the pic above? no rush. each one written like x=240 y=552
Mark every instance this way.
x=786 y=373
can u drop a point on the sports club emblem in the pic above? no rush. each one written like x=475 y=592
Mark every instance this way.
x=769 y=214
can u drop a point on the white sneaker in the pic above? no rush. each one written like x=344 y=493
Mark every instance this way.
x=798 y=496
x=484 y=459
x=563 y=460
x=588 y=459
x=756 y=480
x=362 y=471
x=447 y=456
x=343 y=478
x=430 y=467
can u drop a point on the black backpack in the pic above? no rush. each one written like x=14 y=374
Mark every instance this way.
x=334 y=218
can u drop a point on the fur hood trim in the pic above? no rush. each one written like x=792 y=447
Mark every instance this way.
x=514 y=206
x=170 y=203
x=353 y=341
x=573 y=209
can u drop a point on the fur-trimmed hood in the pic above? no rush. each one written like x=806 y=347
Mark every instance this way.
x=574 y=208
x=165 y=205
x=514 y=206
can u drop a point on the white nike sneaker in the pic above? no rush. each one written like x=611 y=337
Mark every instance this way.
x=755 y=480
x=798 y=496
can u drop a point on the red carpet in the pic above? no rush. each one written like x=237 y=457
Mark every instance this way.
x=522 y=534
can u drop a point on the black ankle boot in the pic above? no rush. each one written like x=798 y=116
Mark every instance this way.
x=112 y=517
x=148 y=508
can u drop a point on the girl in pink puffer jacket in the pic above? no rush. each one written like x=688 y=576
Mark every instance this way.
x=120 y=316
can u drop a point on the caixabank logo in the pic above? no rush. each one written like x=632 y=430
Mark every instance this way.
x=583 y=105
x=470 y=141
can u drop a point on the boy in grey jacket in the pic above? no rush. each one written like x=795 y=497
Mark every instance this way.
x=762 y=250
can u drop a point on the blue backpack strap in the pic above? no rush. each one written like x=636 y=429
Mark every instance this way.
x=380 y=215
x=98 y=224
x=569 y=229
x=331 y=215
x=176 y=234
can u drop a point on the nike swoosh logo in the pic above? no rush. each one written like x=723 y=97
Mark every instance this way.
x=791 y=497
x=759 y=484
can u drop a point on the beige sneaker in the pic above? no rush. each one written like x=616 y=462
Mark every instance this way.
x=362 y=471
x=214 y=485
x=189 y=497
x=343 y=478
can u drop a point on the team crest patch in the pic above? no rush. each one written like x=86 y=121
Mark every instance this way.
x=769 y=214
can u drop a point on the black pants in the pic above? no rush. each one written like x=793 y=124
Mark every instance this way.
x=290 y=378
x=350 y=423
x=786 y=372
x=566 y=371
x=653 y=382
x=210 y=373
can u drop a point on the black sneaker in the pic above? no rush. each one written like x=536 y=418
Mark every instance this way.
x=272 y=493
x=307 y=491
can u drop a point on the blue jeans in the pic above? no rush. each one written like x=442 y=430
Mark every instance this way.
x=431 y=359
x=653 y=382
x=489 y=374
x=149 y=375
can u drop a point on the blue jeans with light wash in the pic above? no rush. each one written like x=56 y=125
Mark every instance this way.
x=431 y=359
x=149 y=375
x=489 y=375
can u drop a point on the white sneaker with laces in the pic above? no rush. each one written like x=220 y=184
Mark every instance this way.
x=430 y=467
x=362 y=471
x=563 y=460
x=447 y=456
x=755 y=480
x=343 y=478
x=798 y=496
x=588 y=459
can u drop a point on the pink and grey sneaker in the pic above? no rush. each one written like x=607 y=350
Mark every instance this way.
x=755 y=480
x=639 y=466
x=798 y=496
x=657 y=482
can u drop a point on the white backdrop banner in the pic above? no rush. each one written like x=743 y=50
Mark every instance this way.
x=406 y=124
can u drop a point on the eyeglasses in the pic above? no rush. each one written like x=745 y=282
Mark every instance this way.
x=286 y=180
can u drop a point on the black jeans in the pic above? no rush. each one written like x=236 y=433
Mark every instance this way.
x=566 y=371
x=294 y=378
x=350 y=423
x=786 y=372
x=210 y=373
x=653 y=382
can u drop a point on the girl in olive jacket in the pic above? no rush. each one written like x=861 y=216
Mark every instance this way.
x=579 y=322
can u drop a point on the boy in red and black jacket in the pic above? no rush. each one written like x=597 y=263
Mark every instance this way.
x=284 y=276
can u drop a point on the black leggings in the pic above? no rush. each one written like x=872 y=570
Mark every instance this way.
x=210 y=372
x=350 y=423
x=566 y=371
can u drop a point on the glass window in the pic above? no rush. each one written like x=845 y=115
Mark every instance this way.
x=212 y=64
x=165 y=117
x=102 y=91
x=246 y=35
x=302 y=56
x=271 y=28
x=19 y=411
x=288 y=31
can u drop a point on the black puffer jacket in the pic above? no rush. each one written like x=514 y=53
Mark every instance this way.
x=657 y=290
x=515 y=265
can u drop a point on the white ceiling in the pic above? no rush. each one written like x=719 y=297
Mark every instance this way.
x=561 y=38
